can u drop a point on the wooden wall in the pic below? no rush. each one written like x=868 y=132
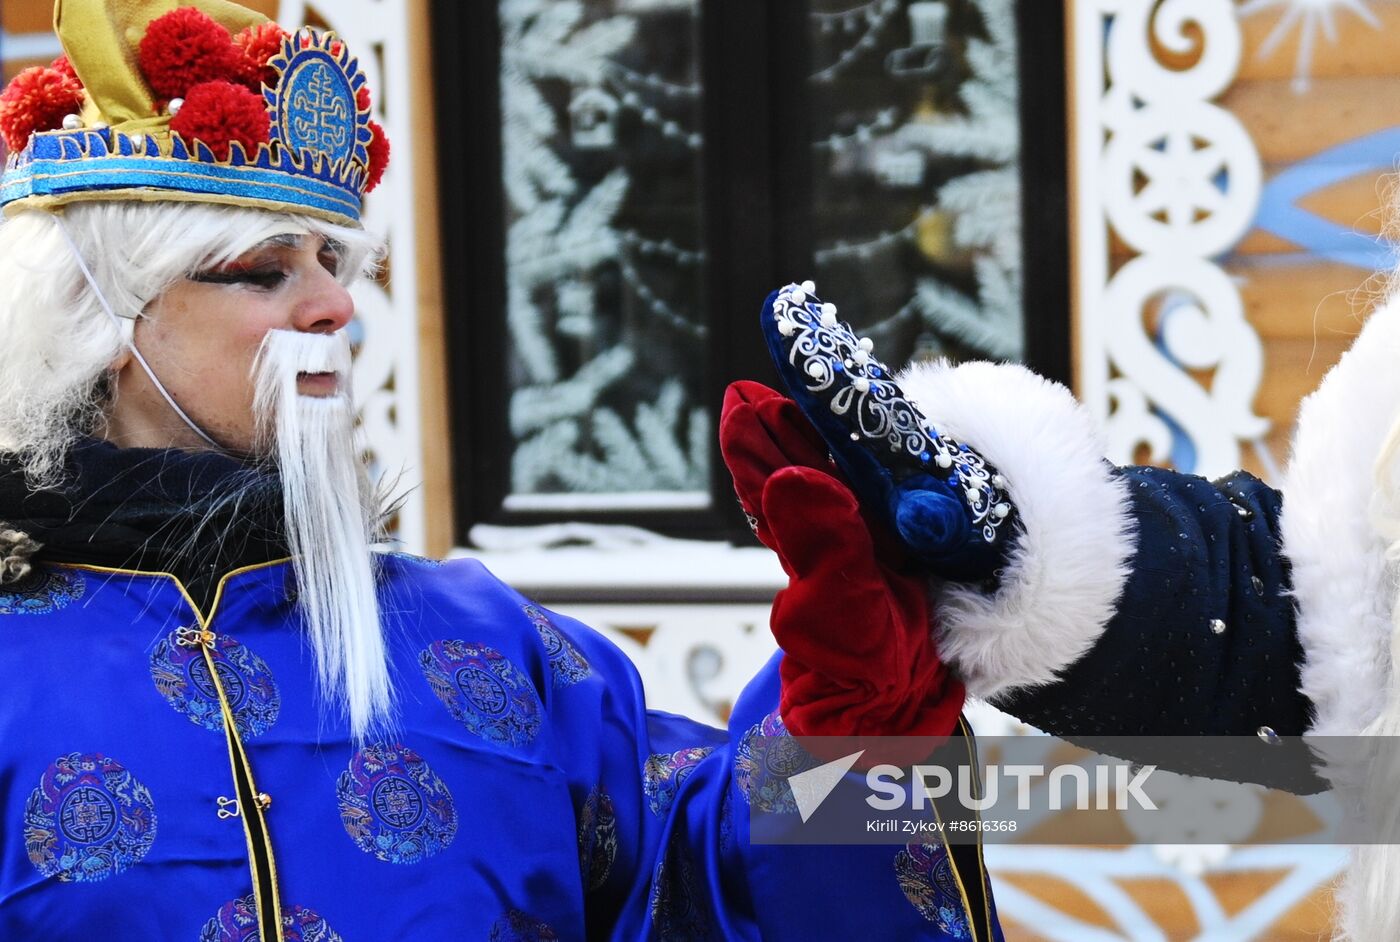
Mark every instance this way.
x=1307 y=313
x=1306 y=308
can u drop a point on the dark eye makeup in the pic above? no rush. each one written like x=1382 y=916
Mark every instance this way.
x=267 y=272
x=258 y=276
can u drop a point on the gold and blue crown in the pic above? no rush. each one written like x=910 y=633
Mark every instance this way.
x=313 y=155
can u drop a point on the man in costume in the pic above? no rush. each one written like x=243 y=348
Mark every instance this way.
x=225 y=715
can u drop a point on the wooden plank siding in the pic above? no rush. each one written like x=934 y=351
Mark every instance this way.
x=1308 y=309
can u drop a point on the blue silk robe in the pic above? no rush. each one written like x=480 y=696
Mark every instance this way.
x=529 y=795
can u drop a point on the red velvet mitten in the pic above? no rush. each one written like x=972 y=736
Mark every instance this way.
x=860 y=658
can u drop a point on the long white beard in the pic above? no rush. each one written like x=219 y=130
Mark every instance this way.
x=331 y=520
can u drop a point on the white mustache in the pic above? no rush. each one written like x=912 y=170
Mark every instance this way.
x=284 y=356
x=285 y=353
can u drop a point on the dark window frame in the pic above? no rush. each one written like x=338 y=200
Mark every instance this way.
x=756 y=199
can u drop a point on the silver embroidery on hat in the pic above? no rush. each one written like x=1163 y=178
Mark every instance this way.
x=840 y=368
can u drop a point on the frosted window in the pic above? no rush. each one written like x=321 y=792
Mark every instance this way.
x=601 y=135
x=916 y=174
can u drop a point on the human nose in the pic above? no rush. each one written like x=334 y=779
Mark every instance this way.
x=327 y=307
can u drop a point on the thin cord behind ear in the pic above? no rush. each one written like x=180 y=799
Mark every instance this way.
x=130 y=344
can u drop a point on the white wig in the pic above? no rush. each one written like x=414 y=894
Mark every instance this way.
x=58 y=345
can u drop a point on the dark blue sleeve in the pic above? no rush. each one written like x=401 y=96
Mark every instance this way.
x=1203 y=641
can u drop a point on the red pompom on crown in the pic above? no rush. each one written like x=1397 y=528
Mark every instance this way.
x=258 y=44
x=378 y=155
x=38 y=99
x=184 y=48
x=64 y=65
x=219 y=113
